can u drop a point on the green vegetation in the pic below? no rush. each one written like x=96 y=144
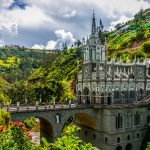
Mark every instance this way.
x=18 y=63
x=131 y=38
x=16 y=136
x=4 y=92
x=56 y=81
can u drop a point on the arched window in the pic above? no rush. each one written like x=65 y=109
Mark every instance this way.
x=126 y=96
x=102 y=98
x=116 y=95
x=148 y=119
x=93 y=97
x=118 y=139
x=106 y=140
x=131 y=76
x=79 y=97
x=137 y=119
x=86 y=95
x=109 y=99
x=132 y=95
x=86 y=133
x=128 y=137
x=119 y=121
x=140 y=94
x=94 y=136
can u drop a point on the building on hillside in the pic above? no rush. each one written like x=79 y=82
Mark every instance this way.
x=117 y=91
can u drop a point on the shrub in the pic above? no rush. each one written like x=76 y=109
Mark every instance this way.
x=146 y=47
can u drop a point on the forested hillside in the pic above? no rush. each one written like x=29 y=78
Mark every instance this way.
x=130 y=39
x=56 y=81
x=17 y=63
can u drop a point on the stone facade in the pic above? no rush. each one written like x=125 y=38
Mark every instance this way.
x=109 y=82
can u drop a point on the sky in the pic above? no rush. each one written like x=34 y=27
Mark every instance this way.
x=46 y=24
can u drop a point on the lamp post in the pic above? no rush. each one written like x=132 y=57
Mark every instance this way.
x=37 y=103
x=54 y=103
x=69 y=103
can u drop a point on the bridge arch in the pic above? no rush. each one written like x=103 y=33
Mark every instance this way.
x=84 y=119
x=46 y=129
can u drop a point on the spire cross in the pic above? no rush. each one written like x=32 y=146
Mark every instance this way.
x=93 y=12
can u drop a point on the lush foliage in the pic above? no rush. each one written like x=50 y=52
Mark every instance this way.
x=67 y=141
x=17 y=63
x=17 y=136
x=131 y=38
x=56 y=81
x=4 y=92
x=13 y=136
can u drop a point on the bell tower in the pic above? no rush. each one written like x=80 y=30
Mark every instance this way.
x=93 y=50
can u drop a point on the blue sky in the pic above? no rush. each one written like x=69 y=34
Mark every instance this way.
x=45 y=24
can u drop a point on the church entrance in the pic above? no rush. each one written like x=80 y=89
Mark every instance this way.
x=86 y=95
x=128 y=147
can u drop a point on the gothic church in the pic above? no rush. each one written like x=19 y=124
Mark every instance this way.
x=118 y=92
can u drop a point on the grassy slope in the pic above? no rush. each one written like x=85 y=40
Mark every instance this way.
x=127 y=44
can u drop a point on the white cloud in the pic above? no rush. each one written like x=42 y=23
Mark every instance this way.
x=5 y=3
x=2 y=44
x=62 y=37
x=7 y=31
x=70 y=15
x=51 y=45
x=122 y=19
x=37 y=46
x=40 y=14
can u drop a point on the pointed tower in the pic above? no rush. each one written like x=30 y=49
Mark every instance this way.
x=93 y=31
x=101 y=25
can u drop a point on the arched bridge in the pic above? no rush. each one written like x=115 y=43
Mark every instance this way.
x=54 y=118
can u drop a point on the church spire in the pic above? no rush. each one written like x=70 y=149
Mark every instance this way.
x=93 y=31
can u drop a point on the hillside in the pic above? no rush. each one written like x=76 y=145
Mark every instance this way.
x=18 y=63
x=58 y=80
x=131 y=38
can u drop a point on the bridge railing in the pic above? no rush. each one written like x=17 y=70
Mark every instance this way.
x=37 y=107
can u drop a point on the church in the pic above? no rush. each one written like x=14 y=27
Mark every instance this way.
x=118 y=91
